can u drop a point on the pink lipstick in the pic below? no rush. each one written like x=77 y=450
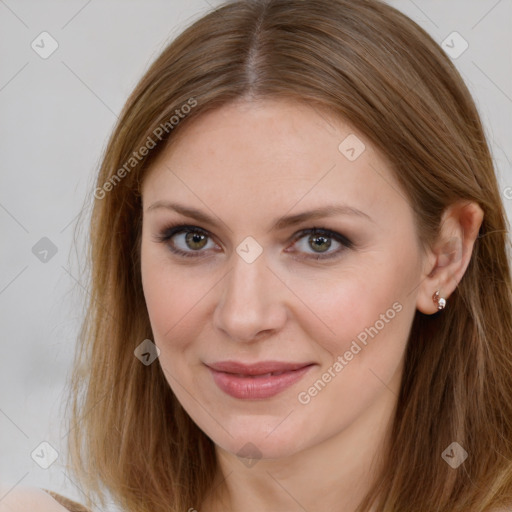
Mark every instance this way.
x=258 y=380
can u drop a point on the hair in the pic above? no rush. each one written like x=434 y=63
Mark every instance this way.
x=366 y=63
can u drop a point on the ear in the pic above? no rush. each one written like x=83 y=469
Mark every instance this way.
x=448 y=259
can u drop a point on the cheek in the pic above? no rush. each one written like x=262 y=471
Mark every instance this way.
x=176 y=297
x=167 y=296
x=363 y=309
x=371 y=324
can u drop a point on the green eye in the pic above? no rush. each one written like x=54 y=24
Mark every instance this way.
x=195 y=241
x=319 y=241
x=314 y=243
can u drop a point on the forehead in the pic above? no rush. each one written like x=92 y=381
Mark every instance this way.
x=270 y=154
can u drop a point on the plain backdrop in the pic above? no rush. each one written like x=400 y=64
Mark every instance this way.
x=56 y=115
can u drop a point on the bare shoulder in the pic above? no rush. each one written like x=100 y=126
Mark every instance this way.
x=27 y=499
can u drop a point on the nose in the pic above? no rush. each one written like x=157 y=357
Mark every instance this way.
x=251 y=304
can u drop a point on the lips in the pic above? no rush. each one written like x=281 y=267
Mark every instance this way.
x=258 y=380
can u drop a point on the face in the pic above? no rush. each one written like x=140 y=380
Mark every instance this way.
x=279 y=263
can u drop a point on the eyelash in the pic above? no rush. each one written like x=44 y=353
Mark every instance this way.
x=173 y=229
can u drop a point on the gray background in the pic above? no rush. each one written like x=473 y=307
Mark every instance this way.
x=56 y=114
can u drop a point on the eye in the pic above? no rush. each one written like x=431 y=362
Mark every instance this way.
x=189 y=241
x=320 y=240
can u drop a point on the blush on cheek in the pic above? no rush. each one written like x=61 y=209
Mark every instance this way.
x=174 y=326
x=369 y=332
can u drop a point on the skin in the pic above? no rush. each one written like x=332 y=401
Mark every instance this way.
x=22 y=498
x=247 y=164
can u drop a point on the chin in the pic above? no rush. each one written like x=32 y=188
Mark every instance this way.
x=255 y=438
x=260 y=448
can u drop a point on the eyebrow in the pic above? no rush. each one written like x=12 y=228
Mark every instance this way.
x=279 y=224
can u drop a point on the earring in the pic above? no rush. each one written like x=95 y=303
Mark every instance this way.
x=441 y=303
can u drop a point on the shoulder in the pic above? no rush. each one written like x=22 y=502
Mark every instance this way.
x=27 y=499
x=24 y=499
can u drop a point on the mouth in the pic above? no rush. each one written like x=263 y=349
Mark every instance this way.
x=256 y=381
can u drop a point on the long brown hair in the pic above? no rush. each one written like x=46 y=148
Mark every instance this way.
x=373 y=67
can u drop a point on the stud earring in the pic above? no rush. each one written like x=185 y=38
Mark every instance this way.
x=441 y=303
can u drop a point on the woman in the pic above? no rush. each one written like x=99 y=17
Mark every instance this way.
x=300 y=291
